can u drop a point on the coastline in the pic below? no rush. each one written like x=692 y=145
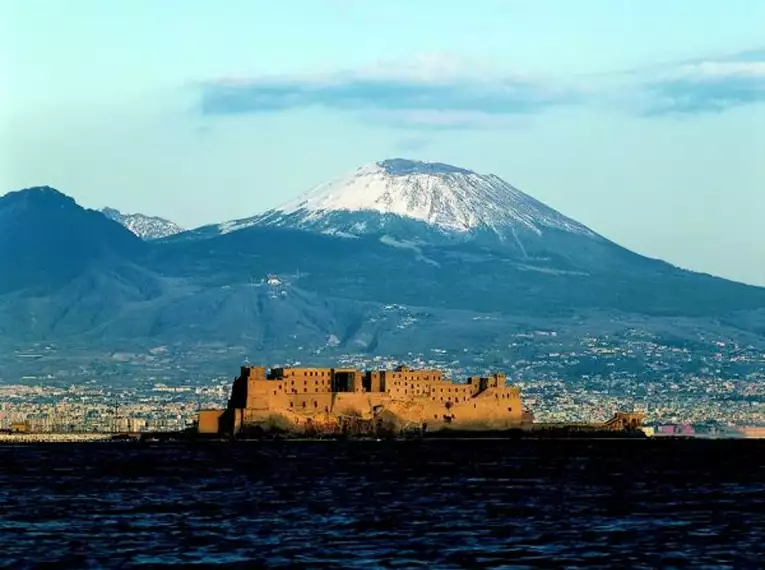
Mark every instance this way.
x=191 y=438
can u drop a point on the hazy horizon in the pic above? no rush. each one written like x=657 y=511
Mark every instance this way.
x=644 y=121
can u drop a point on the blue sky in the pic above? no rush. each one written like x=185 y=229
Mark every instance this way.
x=644 y=119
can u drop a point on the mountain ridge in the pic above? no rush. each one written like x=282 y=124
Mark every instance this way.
x=144 y=226
x=47 y=239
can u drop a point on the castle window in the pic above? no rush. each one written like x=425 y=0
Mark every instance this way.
x=315 y=404
x=292 y=404
x=274 y=392
x=304 y=403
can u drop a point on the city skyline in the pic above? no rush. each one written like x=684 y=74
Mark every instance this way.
x=653 y=144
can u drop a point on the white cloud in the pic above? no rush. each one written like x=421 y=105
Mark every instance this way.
x=429 y=90
x=445 y=91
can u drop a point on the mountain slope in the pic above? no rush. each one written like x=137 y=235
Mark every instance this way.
x=589 y=275
x=290 y=287
x=46 y=240
x=431 y=234
x=145 y=227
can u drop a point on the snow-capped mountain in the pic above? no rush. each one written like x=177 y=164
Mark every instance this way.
x=410 y=198
x=80 y=280
x=145 y=227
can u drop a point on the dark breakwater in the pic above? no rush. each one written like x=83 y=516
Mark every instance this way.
x=389 y=504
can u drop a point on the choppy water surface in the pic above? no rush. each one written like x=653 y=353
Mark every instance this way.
x=434 y=504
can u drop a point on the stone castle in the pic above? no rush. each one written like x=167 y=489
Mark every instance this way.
x=305 y=399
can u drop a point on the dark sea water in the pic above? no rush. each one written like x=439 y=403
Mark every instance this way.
x=426 y=504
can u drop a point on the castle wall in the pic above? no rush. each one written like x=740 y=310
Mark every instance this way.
x=404 y=375
x=272 y=399
x=310 y=403
x=262 y=394
x=304 y=380
x=209 y=421
x=363 y=403
x=495 y=408
x=374 y=381
x=435 y=390
x=409 y=396
x=357 y=382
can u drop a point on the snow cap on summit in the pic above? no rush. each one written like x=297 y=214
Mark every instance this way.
x=449 y=197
